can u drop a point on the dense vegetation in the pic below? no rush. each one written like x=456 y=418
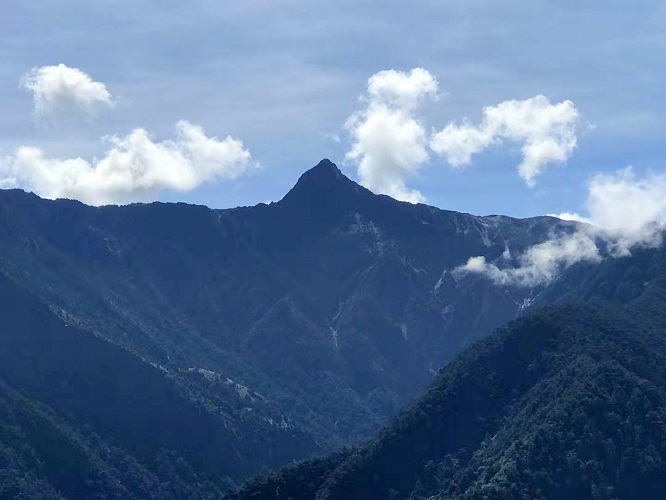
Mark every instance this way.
x=567 y=402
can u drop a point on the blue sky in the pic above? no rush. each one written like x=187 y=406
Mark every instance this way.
x=285 y=76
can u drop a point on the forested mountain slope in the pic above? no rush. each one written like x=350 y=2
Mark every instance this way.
x=566 y=402
x=77 y=409
x=288 y=328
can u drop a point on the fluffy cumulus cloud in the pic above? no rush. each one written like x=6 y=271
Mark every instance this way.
x=625 y=203
x=625 y=211
x=135 y=168
x=60 y=90
x=546 y=133
x=389 y=143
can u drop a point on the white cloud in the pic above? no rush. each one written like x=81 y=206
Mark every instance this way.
x=540 y=263
x=135 y=168
x=621 y=201
x=629 y=211
x=59 y=91
x=401 y=90
x=571 y=216
x=625 y=212
x=389 y=143
x=546 y=132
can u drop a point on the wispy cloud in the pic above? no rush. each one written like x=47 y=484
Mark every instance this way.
x=540 y=263
x=135 y=168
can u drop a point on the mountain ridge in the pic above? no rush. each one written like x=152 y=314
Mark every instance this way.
x=309 y=322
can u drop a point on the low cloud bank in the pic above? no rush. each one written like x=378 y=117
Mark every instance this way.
x=625 y=211
x=540 y=263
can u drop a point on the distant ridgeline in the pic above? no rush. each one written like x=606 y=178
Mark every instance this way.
x=171 y=350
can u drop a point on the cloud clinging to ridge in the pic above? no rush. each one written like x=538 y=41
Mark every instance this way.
x=628 y=210
x=622 y=200
x=135 y=168
x=540 y=263
x=545 y=131
x=59 y=90
x=625 y=212
x=389 y=144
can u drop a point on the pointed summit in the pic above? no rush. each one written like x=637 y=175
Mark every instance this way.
x=324 y=167
x=325 y=172
x=323 y=183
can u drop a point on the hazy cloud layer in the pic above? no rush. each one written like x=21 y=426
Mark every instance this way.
x=61 y=90
x=546 y=133
x=625 y=212
x=389 y=143
x=135 y=168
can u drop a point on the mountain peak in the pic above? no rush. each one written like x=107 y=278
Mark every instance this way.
x=324 y=181
x=324 y=172
x=326 y=165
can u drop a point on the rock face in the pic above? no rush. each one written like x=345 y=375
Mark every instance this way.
x=286 y=328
